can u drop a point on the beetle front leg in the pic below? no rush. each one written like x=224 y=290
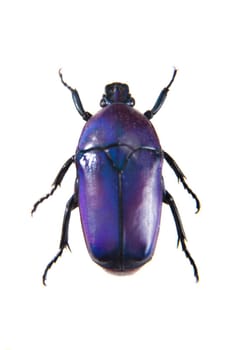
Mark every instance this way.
x=76 y=99
x=56 y=182
x=168 y=199
x=160 y=100
x=71 y=205
x=181 y=177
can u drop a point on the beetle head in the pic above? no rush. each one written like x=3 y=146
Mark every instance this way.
x=117 y=93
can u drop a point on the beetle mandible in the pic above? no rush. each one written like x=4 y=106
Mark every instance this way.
x=119 y=187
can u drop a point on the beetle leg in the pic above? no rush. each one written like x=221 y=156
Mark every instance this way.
x=181 y=177
x=160 y=100
x=71 y=204
x=76 y=99
x=168 y=199
x=56 y=182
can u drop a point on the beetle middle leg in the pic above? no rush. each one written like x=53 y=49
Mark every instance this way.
x=168 y=199
x=181 y=177
x=56 y=182
x=71 y=205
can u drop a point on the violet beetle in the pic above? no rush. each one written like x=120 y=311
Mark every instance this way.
x=119 y=186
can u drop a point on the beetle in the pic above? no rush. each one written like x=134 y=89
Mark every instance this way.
x=119 y=186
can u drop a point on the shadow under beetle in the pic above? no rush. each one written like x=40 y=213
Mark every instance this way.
x=119 y=186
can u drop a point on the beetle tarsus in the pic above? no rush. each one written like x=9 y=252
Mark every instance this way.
x=172 y=79
x=181 y=177
x=71 y=204
x=168 y=199
x=57 y=182
x=42 y=199
x=50 y=264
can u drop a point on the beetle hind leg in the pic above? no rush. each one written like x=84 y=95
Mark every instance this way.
x=71 y=204
x=168 y=199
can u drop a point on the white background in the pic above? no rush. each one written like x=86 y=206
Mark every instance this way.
x=95 y=43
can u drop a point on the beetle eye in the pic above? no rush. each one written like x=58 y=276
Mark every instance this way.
x=103 y=102
x=131 y=102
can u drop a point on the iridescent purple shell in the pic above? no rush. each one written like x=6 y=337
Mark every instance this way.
x=119 y=186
